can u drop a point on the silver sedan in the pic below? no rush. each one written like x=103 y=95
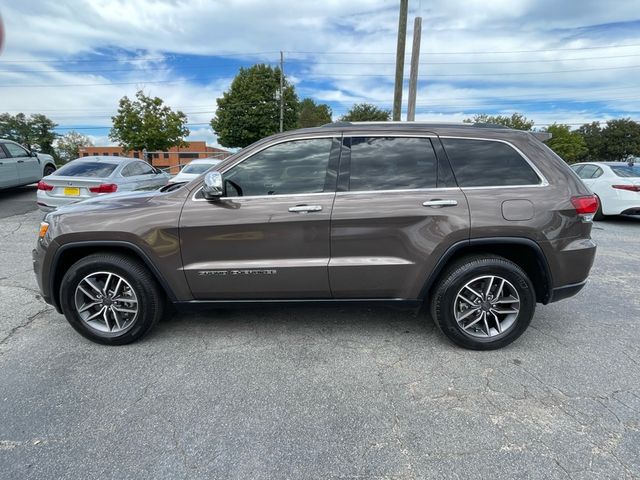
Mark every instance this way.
x=89 y=177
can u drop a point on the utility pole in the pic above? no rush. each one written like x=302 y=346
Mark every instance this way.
x=415 y=62
x=281 y=91
x=402 y=36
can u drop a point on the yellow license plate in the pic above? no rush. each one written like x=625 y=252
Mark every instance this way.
x=72 y=191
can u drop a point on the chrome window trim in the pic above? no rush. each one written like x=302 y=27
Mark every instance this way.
x=403 y=190
x=543 y=180
x=280 y=195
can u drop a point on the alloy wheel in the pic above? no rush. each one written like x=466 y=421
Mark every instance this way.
x=106 y=302
x=486 y=306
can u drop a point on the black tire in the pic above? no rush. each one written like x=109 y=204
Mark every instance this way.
x=48 y=170
x=150 y=297
x=599 y=216
x=464 y=270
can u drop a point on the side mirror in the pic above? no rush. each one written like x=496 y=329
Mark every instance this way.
x=33 y=153
x=212 y=189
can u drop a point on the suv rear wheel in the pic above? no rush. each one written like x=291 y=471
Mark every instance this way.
x=483 y=302
x=111 y=298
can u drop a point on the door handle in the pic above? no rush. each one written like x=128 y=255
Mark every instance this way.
x=20 y=161
x=440 y=203
x=305 y=208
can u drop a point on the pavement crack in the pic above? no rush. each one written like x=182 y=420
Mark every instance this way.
x=25 y=324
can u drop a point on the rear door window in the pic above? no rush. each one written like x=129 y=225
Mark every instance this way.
x=486 y=163
x=392 y=163
x=86 y=169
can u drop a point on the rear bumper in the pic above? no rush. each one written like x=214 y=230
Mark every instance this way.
x=631 y=211
x=566 y=291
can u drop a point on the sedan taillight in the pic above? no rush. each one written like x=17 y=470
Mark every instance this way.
x=42 y=185
x=104 y=188
x=631 y=188
x=585 y=204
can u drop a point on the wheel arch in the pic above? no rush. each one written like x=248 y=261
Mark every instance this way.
x=524 y=252
x=70 y=253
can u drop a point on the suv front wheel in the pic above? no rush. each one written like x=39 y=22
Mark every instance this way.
x=483 y=302
x=111 y=298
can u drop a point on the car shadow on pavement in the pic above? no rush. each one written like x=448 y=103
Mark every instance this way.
x=296 y=321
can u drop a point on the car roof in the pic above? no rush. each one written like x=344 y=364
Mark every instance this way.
x=482 y=130
x=205 y=160
x=105 y=159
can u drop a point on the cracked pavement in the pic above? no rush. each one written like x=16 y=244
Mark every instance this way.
x=333 y=393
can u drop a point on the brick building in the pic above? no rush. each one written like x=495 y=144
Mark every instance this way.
x=172 y=158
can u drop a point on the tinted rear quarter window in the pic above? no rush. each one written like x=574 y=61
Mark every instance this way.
x=86 y=169
x=392 y=163
x=486 y=163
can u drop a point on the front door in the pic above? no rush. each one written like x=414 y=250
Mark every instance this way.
x=396 y=211
x=8 y=170
x=268 y=236
x=29 y=168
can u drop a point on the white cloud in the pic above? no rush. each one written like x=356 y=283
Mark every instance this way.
x=41 y=32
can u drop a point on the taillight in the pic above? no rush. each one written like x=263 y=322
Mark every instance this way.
x=631 y=188
x=42 y=185
x=104 y=188
x=585 y=204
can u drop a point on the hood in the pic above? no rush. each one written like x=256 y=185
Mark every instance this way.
x=112 y=201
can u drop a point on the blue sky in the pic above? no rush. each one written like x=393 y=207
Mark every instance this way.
x=568 y=62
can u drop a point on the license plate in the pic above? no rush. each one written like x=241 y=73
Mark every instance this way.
x=72 y=191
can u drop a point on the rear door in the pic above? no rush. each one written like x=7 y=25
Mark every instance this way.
x=268 y=237
x=396 y=211
x=8 y=170
x=29 y=168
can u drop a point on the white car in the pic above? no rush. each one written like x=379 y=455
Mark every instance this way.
x=617 y=185
x=194 y=169
x=90 y=177
x=19 y=166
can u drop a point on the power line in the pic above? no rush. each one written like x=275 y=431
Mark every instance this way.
x=296 y=52
x=170 y=68
x=329 y=75
x=469 y=52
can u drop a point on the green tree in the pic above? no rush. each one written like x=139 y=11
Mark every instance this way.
x=570 y=146
x=516 y=121
x=620 y=138
x=311 y=114
x=250 y=109
x=592 y=135
x=365 y=112
x=147 y=123
x=68 y=145
x=36 y=132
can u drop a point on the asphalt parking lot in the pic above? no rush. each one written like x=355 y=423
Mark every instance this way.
x=320 y=393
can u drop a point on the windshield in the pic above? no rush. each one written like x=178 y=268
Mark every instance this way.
x=626 y=170
x=197 y=168
x=86 y=169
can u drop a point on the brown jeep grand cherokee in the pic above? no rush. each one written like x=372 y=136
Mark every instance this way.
x=479 y=223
